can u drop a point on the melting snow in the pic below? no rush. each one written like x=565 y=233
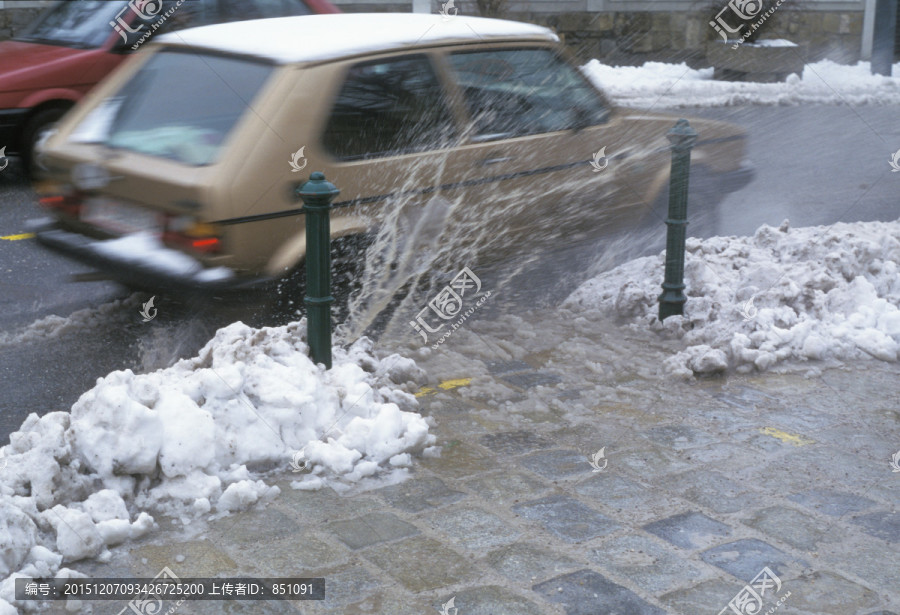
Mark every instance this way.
x=183 y=441
x=814 y=293
x=659 y=85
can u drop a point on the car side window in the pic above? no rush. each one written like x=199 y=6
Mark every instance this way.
x=517 y=92
x=389 y=107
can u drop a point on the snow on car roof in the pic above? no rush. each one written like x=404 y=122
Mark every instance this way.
x=324 y=37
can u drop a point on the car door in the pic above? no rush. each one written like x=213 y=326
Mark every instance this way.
x=389 y=127
x=539 y=152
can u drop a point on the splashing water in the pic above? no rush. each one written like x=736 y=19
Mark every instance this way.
x=422 y=240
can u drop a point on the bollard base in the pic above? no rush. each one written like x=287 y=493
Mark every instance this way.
x=671 y=301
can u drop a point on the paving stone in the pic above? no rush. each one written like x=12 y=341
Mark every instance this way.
x=556 y=464
x=689 y=530
x=418 y=494
x=506 y=488
x=504 y=367
x=420 y=564
x=473 y=528
x=489 y=600
x=712 y=595
x=852 y=438
x=825 y=593
x=343 y=586
x=679 y=437
x=800 y=419
x=253 y=526
x=203 y=558
x=384 y=602
x=567 y=518
x=458 y=459
x=527 y=561
x=798 y=529
x=371 y=529
x=650 y=464
x=834 y=503
x=514 y=442
x=745 y=558
x=527 y=380
x=653 y=567
x=724 y=454
x=302 y=551
x=884 y=525
x=743 y=397
x=865 y=560
x=586 y=592
x=712 y=490
x=313 y=507
x=637 y=504
x=829 y=464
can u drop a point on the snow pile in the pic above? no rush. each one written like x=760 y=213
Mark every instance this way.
x=656 y=84
x=815 y=293
x=184 y=440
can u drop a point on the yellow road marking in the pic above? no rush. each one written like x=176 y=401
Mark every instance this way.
x=18 y=237
x=787 y=437
x=447 y=385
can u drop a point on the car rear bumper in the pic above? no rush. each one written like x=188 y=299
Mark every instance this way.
x=153 y=271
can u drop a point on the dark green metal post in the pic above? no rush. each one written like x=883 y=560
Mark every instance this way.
x=317 y=194
x=883 y=37
x=671 y=301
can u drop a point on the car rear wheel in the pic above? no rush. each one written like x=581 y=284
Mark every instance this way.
x=348 y=259
x=37 y=129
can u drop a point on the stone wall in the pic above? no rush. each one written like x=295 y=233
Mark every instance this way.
x=673 y=30
x=15 y=16
x=678 y=34
x=635 y=37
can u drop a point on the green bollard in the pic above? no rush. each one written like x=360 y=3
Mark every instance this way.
x=317 y=194
x=671 y=301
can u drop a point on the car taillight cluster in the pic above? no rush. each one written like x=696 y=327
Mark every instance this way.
x=70 y=205
x=188 y=233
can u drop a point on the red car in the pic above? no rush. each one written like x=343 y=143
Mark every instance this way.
x=75 y=43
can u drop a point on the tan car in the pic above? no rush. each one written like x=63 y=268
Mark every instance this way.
x=180 y=169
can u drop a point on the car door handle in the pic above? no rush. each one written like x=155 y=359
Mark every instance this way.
x=496 y=160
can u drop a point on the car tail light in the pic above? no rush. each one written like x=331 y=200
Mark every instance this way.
x=67 y=204
x=189 y=233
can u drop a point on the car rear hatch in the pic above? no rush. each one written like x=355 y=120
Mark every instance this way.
x=136 y=169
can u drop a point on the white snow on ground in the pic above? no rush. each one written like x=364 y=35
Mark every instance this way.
x=660 y=85
x=816 y=293
x=184 y=441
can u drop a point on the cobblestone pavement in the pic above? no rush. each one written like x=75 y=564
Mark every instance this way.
x=558 y=492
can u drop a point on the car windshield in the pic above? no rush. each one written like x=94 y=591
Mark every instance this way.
x=179 y=105
x=79 y=23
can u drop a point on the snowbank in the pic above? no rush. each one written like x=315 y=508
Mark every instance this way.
x=660 y=85
x=815 y=293
x=184 y=440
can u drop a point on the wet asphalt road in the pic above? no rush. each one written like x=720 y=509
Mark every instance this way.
x=815 y=165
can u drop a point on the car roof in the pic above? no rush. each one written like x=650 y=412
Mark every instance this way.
x=312 y=38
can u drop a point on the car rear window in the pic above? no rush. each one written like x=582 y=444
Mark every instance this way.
x=514 y=92
x=389 y=107
x=179 y=105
